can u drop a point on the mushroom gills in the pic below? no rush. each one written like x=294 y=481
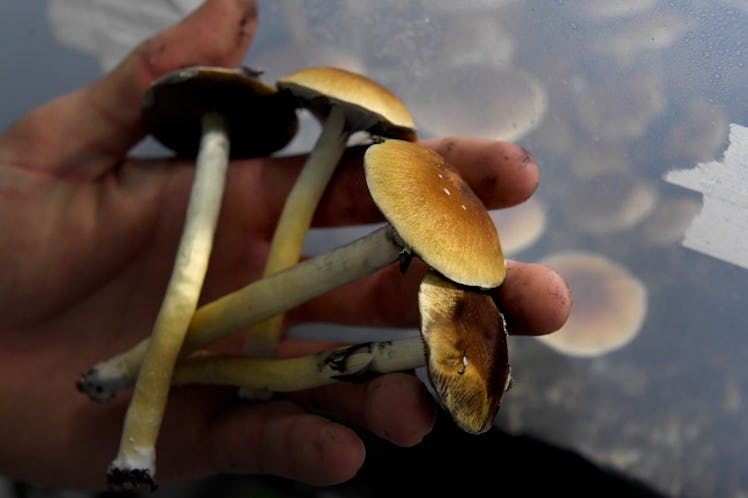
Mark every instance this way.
x=466 y=350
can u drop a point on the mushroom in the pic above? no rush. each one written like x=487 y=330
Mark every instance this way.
x=610 y=304
x=259 y=119
x=410 y=183
x=436 y=216
x=466 y=347
x=344 y=102
x=203 y=106
x=463 y=344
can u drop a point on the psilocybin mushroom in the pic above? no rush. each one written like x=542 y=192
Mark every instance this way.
x=410 y=183
x=195 y=105
x=466 y=350
x=429 y=232
x=344 y=102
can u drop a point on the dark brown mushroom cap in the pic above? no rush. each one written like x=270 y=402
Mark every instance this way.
x=259 y=119
x=368 y=106
x=435 y=212
x=466 y=350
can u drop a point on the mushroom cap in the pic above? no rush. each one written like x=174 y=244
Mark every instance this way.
x=368 y=105
x=435 y=212
x=259 y=119
x=466 y=349
x=610 y=304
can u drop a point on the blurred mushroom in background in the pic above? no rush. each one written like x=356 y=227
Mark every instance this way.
x=505 y=102
x=610 y=304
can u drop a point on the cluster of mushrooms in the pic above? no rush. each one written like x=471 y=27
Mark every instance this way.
x=431 y=214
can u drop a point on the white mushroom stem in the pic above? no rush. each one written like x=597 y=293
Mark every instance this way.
x=304 y=372
x=296 y=218
x=146 y=409
x=256 y=302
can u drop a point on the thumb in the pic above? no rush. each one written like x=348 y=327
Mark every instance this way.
x=88 y=131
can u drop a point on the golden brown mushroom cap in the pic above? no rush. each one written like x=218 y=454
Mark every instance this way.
x=259 y=119
x=368 y=105
x=466 y=350
x=435 y=212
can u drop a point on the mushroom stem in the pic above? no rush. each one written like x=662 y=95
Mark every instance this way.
x=256 y=302
x=135 y=461
x=296 y=218
x=305 y=372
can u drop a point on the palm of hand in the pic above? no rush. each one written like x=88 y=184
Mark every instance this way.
x=88 y=239
x=89 y=243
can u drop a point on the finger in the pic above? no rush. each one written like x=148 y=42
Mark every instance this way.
x=208 y=431
x=396 y=407
x=279 y=438
x=533 y=297
x=87 y=132
x=502 y=174
x=537 y=300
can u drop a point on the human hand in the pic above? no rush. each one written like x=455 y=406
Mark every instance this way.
x=88 y=239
